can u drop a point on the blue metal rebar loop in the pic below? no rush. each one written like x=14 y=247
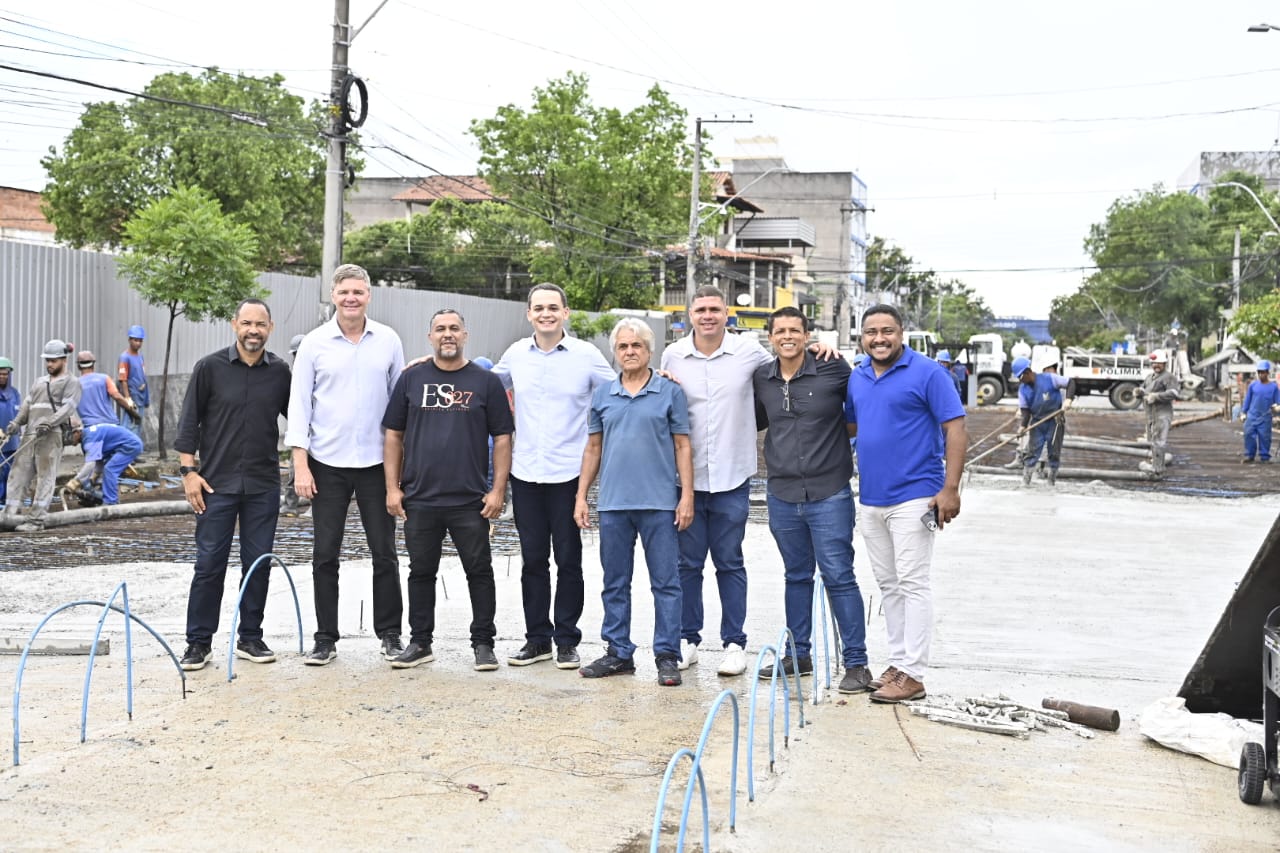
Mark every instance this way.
x=695 y=773
x=26 y=652
x=122 y=590
x=235 y=614
x=819 y=618
x=785 y=639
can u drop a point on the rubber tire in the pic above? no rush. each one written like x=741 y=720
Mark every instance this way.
x=989 y=391
x=1123 y=397
x=1253 y=772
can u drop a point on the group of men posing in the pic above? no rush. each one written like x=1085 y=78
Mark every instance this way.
x=34 y=433
x=673 y=450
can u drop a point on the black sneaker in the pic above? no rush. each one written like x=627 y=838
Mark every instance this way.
x=323 y=653
x=567 y=657
x=608 y=665
x=413 y=655
x=668 y=672
x=392 y=648
x=486 y=660
x=857 y=679
x=531 y=653
x=255 y=650
x=806 y=668
x=196 y=656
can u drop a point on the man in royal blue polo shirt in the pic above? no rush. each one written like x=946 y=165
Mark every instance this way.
x=904 y=410
x=638 y=442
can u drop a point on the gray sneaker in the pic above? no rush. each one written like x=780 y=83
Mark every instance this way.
x=485 y=658
x=856 y=679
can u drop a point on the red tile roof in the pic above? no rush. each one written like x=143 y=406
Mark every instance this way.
x=436 y=187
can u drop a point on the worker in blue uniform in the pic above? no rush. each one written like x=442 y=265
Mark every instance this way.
x=10 y=402
x=1259 y=400
x=1040 y=396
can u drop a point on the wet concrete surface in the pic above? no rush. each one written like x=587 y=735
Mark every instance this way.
x=1081 y=592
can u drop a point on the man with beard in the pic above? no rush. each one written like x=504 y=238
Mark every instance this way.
x=229 y=418
x=50 y=403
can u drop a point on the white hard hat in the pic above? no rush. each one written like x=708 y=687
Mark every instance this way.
x=1159 y=357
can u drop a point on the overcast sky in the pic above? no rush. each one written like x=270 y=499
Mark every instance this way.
x=991 y=135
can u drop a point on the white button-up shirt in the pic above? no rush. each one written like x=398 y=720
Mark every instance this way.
x=340 y=392
x=552 y=396
x=722 y=409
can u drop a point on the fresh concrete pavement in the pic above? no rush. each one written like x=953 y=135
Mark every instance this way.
x=1082 y=593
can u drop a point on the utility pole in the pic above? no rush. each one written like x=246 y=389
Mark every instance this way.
x=335 y=172
x=690 y=281
x=341 y=121
x=1235 y=273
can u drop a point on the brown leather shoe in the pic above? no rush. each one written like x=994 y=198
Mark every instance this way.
x=885 y=678
x=902 y=689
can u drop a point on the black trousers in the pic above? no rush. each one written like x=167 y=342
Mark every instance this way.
x=334 y=488
x=424 y=531
x=544 y=520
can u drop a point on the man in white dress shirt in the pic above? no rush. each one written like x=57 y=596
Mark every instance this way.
x=552 y=376
x=342 y=379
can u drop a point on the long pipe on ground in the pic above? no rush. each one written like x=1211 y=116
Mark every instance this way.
x=142 y=509
x=1071 y=473
x=1102 y=447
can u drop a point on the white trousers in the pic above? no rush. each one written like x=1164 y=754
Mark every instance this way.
x=900 y=549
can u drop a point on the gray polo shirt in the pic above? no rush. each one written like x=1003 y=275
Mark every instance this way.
x=807 y=447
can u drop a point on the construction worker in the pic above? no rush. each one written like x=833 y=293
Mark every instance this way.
x=10 y=401
x=1039 y=398
x=51 y=402
x=1260 y=400
x=108 y=447
x=956 y=371
x=1158 y=392
x=131 y=375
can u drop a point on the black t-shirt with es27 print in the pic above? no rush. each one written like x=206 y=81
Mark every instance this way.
x=447 y=417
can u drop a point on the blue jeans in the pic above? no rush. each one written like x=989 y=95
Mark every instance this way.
x=1257 y=437
x=544 y=520
x=214 y=528
x=133 y=425
x=657 y=531
x=719 y=524
x=821 y=532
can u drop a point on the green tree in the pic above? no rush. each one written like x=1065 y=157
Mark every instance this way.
x=187 y=256
x=457 y=247
x=599 y=189
x=256 y=150
x=1257 y=325
x=950 y=308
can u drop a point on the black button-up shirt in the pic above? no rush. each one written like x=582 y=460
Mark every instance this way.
x=230 y=420
x=807 y=446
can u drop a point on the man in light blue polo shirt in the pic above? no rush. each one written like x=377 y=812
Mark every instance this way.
x=552 y=376
x=903 y=408
x=638 y=442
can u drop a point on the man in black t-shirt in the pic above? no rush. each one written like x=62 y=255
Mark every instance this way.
x=436 y=458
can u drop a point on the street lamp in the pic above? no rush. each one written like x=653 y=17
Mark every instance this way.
x=1252 y=195
x=1263 y=28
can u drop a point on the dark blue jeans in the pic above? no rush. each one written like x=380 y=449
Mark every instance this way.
x=424 y=531
x=544 y=520
x=257 y=515
x=719 y=525
x=821 y=532
x=657 y=532
x=334 y=488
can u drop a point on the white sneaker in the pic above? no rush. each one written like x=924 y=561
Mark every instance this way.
x=688 y=654
x=734 y=661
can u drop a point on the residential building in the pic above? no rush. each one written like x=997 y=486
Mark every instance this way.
x=1211 y=166
x=21 y=217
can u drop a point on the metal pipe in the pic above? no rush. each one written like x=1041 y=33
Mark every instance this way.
x=1105 y=719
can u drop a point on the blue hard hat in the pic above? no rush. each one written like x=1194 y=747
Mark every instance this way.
x=1020 y=366
x=136 y=331
x=1264 y=365
x=859 y=358
x=944 y=355
x=486 y=363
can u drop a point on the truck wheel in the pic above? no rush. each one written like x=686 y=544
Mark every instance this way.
x=1123 y=396
x=1253 y=772
x=989 y=391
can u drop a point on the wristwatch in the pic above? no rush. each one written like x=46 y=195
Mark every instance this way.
x=184 y=470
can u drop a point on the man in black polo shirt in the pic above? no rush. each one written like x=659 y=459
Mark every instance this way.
x=810 y=503
x=230 y=417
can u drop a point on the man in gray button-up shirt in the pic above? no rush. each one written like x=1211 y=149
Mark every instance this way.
x=810 y=502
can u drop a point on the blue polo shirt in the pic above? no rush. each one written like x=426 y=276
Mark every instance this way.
x=900 y=447
x=638 y=455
